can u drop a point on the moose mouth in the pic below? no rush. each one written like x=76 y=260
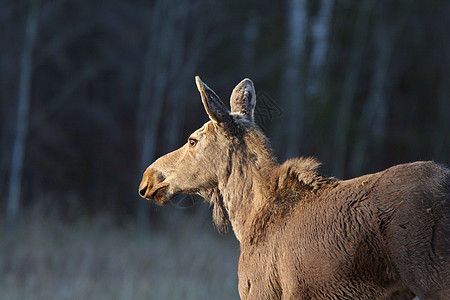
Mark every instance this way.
x=158 y=194
x=154 y=188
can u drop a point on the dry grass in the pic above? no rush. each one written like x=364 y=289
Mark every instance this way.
x=47 y=259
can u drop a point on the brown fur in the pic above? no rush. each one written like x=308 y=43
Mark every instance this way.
x=304 y=236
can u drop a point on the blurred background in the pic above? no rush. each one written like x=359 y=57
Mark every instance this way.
x=91 y=92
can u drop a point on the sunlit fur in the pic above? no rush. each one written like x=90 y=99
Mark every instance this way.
x=305 y=236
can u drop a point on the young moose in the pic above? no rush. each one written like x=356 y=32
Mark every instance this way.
x=304 y=236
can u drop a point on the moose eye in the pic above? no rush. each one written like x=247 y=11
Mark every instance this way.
x=192 y=142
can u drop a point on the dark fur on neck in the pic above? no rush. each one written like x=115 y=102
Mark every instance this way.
x=220 y=214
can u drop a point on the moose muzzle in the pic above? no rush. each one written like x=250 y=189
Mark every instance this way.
x=153 y=187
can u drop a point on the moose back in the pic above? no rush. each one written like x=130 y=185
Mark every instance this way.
x=302 y=235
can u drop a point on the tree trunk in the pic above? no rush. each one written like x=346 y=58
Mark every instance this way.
x=293 y=84
x=344 y=114
x=319 y=46
x=23 y=102
x=320 y=32
x=181 y=67
x=373 y=118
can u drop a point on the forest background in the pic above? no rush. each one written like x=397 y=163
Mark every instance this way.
x=91 y=92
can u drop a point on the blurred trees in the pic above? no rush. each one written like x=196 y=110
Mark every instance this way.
x=23 y=103
x=363 y=85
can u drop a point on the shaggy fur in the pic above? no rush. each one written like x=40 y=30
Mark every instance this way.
x=305 y=236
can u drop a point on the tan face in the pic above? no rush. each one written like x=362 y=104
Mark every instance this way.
x=194 y=168
x=189 y=169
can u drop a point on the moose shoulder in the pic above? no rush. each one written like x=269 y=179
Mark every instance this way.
x=304 y=236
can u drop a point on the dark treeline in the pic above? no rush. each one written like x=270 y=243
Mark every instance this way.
x=91 y=92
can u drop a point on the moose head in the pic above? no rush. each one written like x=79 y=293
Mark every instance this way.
x=206 y=162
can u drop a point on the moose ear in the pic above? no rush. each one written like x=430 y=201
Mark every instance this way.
x=243 y=99
x=213 y=105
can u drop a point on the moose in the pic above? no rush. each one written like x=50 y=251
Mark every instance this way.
x=302 y=235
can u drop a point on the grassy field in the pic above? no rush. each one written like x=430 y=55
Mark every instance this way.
x=50 y=259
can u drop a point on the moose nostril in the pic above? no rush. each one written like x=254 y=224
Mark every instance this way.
x=142 y=190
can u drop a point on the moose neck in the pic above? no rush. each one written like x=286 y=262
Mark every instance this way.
x=242 y=184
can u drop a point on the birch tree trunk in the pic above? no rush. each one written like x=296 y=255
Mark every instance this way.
x=319 y=46
x=350 y=85
x=293 y=83
x=185 y=53
x=373 y=118
x=23 y=102
x=319 y=35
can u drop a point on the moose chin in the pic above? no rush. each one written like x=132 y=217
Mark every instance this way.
x=302 y=235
